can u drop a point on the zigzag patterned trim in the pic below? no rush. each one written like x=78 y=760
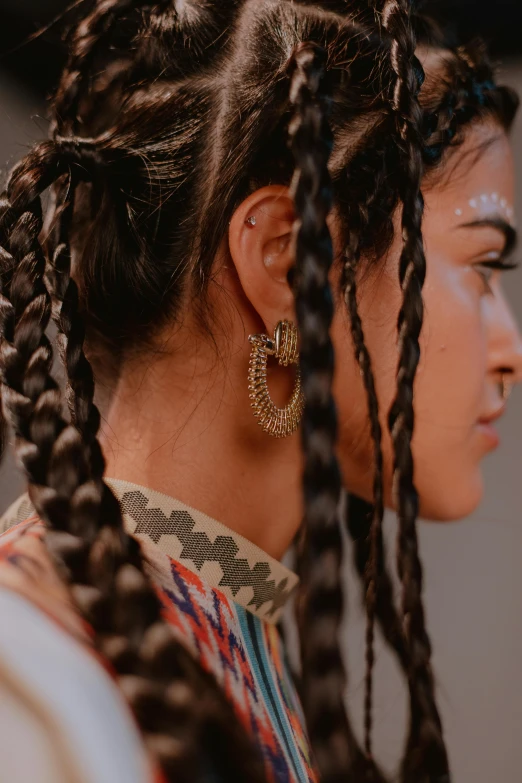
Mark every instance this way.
x=222 y=558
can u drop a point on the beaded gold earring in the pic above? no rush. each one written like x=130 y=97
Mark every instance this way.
x=277 y=422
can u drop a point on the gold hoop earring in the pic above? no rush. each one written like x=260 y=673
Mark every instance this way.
x=277 y=422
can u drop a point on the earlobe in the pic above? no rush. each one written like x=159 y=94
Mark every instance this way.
x=260 y=242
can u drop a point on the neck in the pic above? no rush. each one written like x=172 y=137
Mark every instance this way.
x=183 y=426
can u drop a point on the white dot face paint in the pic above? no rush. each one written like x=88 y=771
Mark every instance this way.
x=487 y=203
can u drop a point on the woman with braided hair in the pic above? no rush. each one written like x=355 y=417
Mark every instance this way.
x=234 y=231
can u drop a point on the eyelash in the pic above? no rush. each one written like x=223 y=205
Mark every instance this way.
x=486 y=268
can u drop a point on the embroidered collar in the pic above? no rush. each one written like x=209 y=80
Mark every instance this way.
x=221 y=557
x=224 y=559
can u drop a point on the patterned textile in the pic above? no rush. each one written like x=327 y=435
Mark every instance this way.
x=222 y=596
x=241 y=570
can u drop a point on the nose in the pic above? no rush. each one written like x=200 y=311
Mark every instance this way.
x=505 y=344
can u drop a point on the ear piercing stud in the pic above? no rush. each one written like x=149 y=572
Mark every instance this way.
x=251 y=221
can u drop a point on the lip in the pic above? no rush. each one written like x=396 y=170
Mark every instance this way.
x=487 y=430
x=490 y=435
x=489 y=418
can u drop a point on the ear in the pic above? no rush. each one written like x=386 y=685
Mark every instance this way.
x=261 y=248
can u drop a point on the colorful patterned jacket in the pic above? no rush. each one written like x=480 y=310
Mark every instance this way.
x=222 y=596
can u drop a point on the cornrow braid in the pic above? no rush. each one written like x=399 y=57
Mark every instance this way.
x=320 y=608
x=426 y=758
x=186 y=721
x=85 y=42
x=472 y=92
x=153 y=39
x=173 y=43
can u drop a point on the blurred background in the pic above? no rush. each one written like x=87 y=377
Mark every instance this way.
x=474 y=568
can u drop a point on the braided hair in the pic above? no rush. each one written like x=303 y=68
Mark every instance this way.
x=153 y=98
x=425 y=135
x=321 y=603
x=425 y=724
x=86 y=537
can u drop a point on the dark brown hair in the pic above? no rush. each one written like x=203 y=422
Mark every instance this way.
x=168 y=115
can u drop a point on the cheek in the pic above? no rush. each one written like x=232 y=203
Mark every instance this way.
x=448 y=395
x=448 y=389
x=450 y=379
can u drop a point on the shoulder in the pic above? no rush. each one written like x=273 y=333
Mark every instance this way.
x=26 y=568
x=45 y=674
x=48 y=667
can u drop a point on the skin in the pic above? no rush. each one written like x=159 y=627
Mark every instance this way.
x=180 y=420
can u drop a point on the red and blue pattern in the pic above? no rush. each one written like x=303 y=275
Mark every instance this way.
x=242 y=651
x=246 y=657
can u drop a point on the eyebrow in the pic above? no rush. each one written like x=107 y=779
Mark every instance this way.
x=498 y=223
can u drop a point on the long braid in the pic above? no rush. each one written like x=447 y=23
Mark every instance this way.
x=364 y=522
x=320 y=608
x=359 y=516
x=369 y=173
x=179 y=708
x=26 y=353
x=84 y=162
x=323 y=706
x=426 y=757
x=374 y=562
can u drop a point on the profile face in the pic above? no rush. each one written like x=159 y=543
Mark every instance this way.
x=469 y=338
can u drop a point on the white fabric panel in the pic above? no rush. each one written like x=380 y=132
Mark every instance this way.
x=62 y=718
x=27 y=748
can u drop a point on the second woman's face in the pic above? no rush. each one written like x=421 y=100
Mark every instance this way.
x=469 y=340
